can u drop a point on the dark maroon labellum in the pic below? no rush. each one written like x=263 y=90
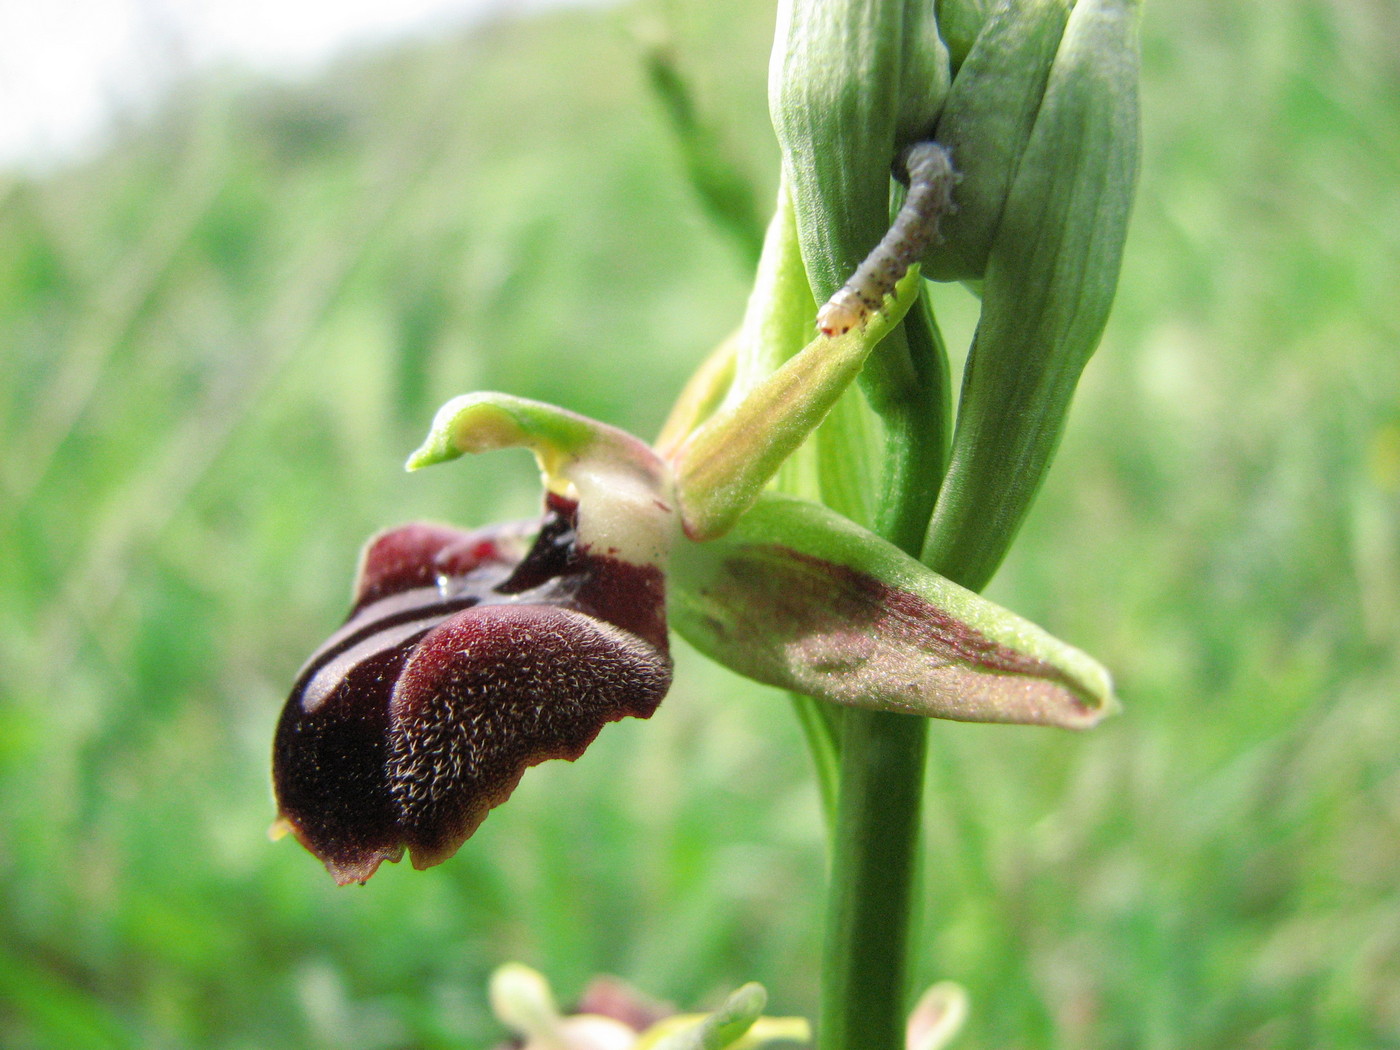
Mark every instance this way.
x=466 y=659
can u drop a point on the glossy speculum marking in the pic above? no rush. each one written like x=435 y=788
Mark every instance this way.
x=931 y=177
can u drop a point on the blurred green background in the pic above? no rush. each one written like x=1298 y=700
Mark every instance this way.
x=221 y=337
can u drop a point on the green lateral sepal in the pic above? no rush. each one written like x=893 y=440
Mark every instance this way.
x=800 y=598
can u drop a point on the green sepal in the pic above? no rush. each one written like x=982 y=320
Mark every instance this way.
x=778 y=319
x=798 y=597
x=1050 y=282
x=924 y=75
x=725 y=464
x=986 y=123
x=833 y=96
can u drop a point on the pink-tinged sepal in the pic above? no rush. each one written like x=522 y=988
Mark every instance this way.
x=467 y=658
x=801 y=598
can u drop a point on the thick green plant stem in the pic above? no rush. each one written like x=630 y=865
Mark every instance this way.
x=875 y=839
x=875 y=842
x=874 y=861
x=847 y=75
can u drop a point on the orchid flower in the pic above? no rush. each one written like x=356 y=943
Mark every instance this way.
x=469 y=656
x=612 y=1015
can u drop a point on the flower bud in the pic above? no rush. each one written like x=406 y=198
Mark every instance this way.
x=986 y=124
x=1050 y=277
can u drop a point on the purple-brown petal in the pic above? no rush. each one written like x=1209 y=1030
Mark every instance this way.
x=421 y=553
x=494 y=691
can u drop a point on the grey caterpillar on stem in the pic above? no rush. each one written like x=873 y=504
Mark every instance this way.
x=930 y=197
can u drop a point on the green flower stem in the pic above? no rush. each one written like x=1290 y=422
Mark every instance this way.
x=849 y=78
x=875 y=845
x=874 y=863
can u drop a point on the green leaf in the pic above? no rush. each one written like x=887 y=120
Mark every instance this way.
x=798 y=597
x=724 y=193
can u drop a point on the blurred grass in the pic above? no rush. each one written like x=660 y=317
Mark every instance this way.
x=220 y=338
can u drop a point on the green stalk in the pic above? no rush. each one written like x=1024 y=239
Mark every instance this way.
x=875 y=844
x=847 y=76
x=873 y=886
x=850 y=80
x=875 y=839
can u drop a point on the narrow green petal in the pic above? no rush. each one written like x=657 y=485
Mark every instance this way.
x=724 y=466
x=798 y=597
x=701 y=395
